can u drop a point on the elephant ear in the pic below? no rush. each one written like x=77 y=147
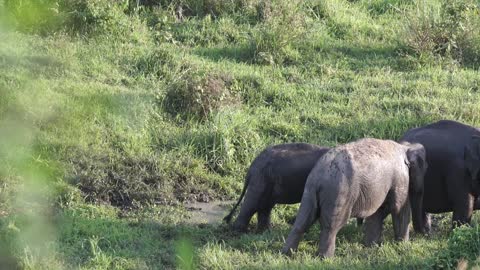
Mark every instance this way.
x=417 y=164
x=472 y=157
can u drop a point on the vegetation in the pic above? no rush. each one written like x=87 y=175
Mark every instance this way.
x=115 y=114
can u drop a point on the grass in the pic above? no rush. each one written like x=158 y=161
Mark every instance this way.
x=100 y=154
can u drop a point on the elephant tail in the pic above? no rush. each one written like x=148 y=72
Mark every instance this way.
x=228 y=218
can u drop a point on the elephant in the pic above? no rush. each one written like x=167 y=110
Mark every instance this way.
x=277 y=175
x=452 y=181
x=368 y=178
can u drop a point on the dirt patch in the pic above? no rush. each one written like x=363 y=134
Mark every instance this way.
x=208 y=212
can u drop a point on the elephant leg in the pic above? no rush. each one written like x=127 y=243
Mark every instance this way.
x=462 y=200
x=373 y=227
x=332 y=218
x=249 y=208
x=427 y=222
x=305 y=218
x=264 y=214
x=477 y=204
x=401 y=220
x=463 y=210
x=359 y=222
x=421 y=220
x=328 y=235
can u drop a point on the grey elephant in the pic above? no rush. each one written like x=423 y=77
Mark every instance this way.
x=452 y=181
x=368 y=178
x=277 y=175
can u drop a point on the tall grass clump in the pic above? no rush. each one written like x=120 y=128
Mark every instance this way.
x=77 y=17
x=448 y=29
x=33 y=16
x=463 y=248
x=283 y=24
x=185 y=9
x=344 y=19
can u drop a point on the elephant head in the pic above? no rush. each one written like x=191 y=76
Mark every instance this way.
x=472 y=162
x=417 y=167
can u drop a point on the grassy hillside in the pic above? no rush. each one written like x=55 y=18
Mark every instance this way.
x=114 y=114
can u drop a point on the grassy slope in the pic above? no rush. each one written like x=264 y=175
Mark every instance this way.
x=87 y=113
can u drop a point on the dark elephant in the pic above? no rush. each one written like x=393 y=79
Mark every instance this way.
x=277 y=175
x=452 y=181
x=368 y=178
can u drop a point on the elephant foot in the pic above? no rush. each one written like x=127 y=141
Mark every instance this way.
x=425 y=229
x=240 y=228
x=264 y=227
x=287 y=251
x=325 y=253
x=377 y=243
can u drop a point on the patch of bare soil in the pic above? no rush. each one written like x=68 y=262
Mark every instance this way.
x=208 y=212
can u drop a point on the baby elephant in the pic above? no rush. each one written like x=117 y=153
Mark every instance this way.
x=368 y=178
x=277 y=175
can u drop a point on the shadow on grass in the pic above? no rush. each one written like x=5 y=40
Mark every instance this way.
x=237 y=53
x=369 y=57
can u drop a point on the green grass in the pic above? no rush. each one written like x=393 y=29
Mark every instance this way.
x=99 y=154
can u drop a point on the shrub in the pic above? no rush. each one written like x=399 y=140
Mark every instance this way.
x=282 y=28
x=200 y=8
x=228 y=143
x=198 y=95
x=450 y=29
x=34 y=16
x=463 y=245
x=76 y=16
x=103 y=17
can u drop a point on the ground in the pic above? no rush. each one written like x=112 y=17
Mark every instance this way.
x=118 y=122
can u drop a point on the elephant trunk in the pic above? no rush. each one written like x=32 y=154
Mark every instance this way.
x=418 y=215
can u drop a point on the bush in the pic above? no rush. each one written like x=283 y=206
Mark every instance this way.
x=104 y=17
x=227 y=144
x=450 y=29
x=76 y=16
x=282 y=28
x=200 y=8
x=463 y=246
x=34 y=16
x=198 y=95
